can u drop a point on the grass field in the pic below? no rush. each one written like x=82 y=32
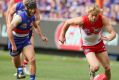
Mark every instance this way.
x=51 y=67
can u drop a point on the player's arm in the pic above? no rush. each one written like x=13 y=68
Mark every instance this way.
x=39 y=32
x=37 y=15
x=36 y=23
x=11 y=3
x=109 y=28
x=10 y=14
x=74 y=21
x=15 y=21
x=37 y=29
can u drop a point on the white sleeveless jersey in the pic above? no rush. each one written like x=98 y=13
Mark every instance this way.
x=89 y=40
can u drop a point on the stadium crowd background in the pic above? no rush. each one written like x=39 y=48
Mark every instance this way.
x=63 y=9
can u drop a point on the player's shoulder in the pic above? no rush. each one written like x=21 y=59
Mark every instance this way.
x=17 y=17
x=21 y=13
x=84 y=17
x=19 y=6
x=104 y=18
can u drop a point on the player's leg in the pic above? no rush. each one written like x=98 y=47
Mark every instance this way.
x=104 y=60
x=93 y=63
x=25 y=64
x=25 y=60
x=92 y=60
x=32 y=38
x=30 y=55
x=17 y=62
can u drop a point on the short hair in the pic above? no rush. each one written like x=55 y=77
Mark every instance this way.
x=30 y=4
x=93 y=9
x=27 y=1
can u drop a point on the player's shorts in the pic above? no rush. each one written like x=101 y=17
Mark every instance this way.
x=20 y=43
x=30 y=34
x=98 y=48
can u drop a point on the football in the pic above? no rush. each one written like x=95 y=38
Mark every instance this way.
x=101 y=76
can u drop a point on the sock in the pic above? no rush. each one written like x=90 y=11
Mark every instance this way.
x=19 y=69
x=32 y=77
x=25 y=63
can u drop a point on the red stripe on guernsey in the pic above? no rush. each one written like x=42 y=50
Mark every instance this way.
x=21 y=31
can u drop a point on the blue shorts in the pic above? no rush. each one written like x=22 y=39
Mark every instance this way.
x=20 y=44
x=30 y=34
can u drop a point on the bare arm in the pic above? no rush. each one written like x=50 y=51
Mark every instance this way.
x=37 y=23
x=39 y=32
x=16 y=20
x=74 y=21
x=109 y=28
x=37 y=16
x=10 y=14
x=11 y=3
x=37 y=29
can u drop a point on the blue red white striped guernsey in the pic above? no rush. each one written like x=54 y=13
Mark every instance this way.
x=25 y=26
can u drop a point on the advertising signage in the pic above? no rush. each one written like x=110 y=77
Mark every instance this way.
x=52 y=30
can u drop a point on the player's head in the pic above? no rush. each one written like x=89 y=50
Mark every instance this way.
x=30 y=7
x=27 y=1
x=93 y=12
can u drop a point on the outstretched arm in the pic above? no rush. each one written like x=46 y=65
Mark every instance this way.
x=74 y=21
x=39 y=32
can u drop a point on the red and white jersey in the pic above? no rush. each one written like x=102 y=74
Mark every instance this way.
x=91 y=31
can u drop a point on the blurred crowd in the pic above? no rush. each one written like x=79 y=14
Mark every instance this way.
x=63 y=9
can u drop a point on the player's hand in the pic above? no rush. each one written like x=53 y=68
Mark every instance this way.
x=62 y=40
x=14 y=48
x=44 y=39
x=105 y=38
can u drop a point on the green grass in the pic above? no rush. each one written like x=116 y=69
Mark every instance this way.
x=51 y=67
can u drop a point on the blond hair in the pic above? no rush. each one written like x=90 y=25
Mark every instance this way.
x=93 y=9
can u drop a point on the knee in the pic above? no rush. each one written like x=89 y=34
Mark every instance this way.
x=32 y=60
x=94 y=68
x=107 y=68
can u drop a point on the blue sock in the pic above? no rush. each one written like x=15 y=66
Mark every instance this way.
x=19 y=70
x=32 y=77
